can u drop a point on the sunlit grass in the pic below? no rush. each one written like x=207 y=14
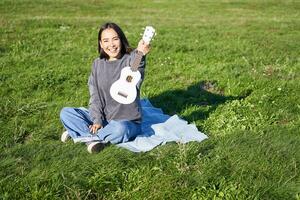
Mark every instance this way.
x=230 y=67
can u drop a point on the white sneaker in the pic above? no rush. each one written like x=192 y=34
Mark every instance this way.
x=95 y=147
x=65 y=136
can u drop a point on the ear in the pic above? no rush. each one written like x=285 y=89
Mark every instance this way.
x=100 y=43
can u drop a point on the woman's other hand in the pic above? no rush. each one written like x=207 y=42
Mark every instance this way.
x=143 y=47
x=94 y=128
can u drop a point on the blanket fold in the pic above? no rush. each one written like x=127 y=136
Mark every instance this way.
x=158 y=129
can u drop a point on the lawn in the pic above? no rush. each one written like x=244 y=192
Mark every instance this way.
x=230 y=67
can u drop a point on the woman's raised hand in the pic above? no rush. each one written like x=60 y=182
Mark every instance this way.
x=143 y=47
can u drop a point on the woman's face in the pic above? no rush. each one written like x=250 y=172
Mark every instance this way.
x=111 y=43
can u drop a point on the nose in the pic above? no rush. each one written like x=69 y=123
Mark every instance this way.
x=111 y=44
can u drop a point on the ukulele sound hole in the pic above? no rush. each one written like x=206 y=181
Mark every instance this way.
x=129 y=79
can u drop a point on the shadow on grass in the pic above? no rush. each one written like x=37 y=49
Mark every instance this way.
x=205 y=94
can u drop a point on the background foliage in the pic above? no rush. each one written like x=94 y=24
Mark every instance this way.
x=230 y=67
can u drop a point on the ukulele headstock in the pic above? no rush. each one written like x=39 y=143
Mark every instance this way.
x=149 y=33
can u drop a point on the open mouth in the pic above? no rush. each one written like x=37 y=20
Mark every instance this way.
x=113 y=50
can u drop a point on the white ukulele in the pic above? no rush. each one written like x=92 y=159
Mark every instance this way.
x=124 y=90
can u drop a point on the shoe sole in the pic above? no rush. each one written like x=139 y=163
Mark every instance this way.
x=96 y=148
x=64 y=137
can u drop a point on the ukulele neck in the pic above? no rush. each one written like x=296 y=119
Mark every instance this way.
x=137 y=60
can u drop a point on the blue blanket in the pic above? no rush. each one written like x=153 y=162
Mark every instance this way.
x=158 y=129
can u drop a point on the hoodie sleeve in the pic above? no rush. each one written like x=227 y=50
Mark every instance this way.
x=95 y=104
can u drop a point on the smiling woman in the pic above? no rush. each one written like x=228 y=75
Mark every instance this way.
x=106 y=120
x=111 y=44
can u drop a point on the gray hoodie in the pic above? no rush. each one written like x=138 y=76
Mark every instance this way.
x=101 y=105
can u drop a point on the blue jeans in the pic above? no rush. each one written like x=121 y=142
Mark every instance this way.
x=77 y=122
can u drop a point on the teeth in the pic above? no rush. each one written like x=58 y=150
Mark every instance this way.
x=113 y=50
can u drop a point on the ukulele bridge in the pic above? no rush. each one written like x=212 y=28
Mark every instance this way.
x=122 y=94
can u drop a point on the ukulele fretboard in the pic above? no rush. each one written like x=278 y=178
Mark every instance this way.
x=137 y=61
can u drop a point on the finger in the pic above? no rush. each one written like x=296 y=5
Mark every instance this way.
x=95 y=129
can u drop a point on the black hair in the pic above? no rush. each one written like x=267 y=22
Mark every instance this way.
x=125 y=47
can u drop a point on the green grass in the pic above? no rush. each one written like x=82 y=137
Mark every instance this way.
x=230 y=67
